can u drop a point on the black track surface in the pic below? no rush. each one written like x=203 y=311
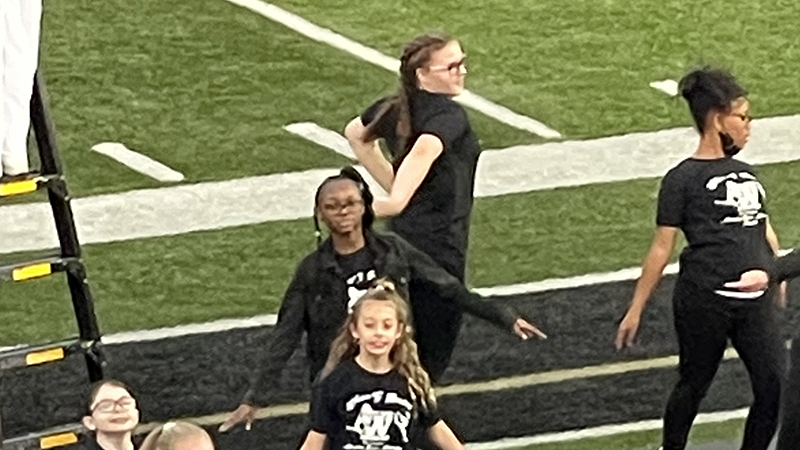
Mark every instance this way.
x=206 y=374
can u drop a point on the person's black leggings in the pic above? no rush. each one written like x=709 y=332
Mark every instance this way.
x=436 y=322
x=436 y=326
x=704 y=321
x=789 y=435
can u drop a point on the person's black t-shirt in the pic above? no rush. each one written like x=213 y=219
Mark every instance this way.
x=89 y=441
x=719 y=206
x=358 y=269
x=357 y=409
x=436 y=219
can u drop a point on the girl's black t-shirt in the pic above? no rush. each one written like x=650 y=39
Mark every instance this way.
x=437 y=217
x=361 y=410
x=719 y=206
x=89 y=441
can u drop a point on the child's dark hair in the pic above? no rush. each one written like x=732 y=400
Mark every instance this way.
x=94 y=389
x=709 y=89
x=347 y=173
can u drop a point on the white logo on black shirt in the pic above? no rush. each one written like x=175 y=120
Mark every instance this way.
x=373 y=424
x=353 y=292
x=743 y=192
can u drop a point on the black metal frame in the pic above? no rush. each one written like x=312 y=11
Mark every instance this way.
x=70 y=253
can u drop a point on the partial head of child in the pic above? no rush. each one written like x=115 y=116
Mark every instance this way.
x=178 y=436
x=111 y=414
x=379 y=336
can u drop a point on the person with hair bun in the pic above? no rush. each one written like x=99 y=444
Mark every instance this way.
x=329 y=281
x=717 y=202
x=430 y=178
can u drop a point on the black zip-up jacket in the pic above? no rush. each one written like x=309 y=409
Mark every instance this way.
x=316 y=303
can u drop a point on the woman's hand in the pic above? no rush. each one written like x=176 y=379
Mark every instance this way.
x=244 y=413
x=750 y=281
x=626 y=333
x=526 y=330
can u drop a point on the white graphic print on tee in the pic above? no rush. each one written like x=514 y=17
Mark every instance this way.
x=378 y=415
x=743 y=192
x=353 y=292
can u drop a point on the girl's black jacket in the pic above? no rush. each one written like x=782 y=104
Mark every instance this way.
x=316 y=303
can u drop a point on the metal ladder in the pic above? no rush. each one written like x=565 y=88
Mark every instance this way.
x=68 y=261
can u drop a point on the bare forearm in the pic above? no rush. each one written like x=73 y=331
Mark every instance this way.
x=369 y=154
x=772 y=239
x=443 y=437
x=314 y=441
x=410 y=175
x=652 y=270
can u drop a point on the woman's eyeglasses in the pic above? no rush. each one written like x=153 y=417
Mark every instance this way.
x=106 y=406
x=745 y=117
x=335 y=207
x=452 y=67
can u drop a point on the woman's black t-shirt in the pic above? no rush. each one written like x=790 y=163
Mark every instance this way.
x=358 y=269
x=437 y=217
x=361 y=410
x=719 y=206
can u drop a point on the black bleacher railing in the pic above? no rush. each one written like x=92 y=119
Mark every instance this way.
x=68 y=261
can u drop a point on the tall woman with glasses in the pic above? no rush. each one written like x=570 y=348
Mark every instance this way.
x=430 y=178
x=718 y=204
x=111 y=416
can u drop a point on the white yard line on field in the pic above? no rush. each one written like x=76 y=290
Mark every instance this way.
x=669 y=87
x=138 y=162
x=601 y=431
x=329 y=37
x=322 y=136
x=181 y=209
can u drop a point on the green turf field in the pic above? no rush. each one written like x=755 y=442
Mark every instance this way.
x=206 y=87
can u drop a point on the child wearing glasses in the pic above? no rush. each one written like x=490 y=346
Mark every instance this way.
x=430 y=176
x=111 y=416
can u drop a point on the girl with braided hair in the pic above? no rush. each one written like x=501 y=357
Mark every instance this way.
x=373 y=392
x=331 y=279
x=431 y=176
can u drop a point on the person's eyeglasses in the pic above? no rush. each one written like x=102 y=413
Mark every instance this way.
x=745 y=117
x=106 y=406
x=336 y=207
x=452 y=67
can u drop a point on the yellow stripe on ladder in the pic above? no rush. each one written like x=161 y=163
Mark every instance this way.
x=44 y=356
x=32 y=271
x=58 y=440
x=17 y=187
